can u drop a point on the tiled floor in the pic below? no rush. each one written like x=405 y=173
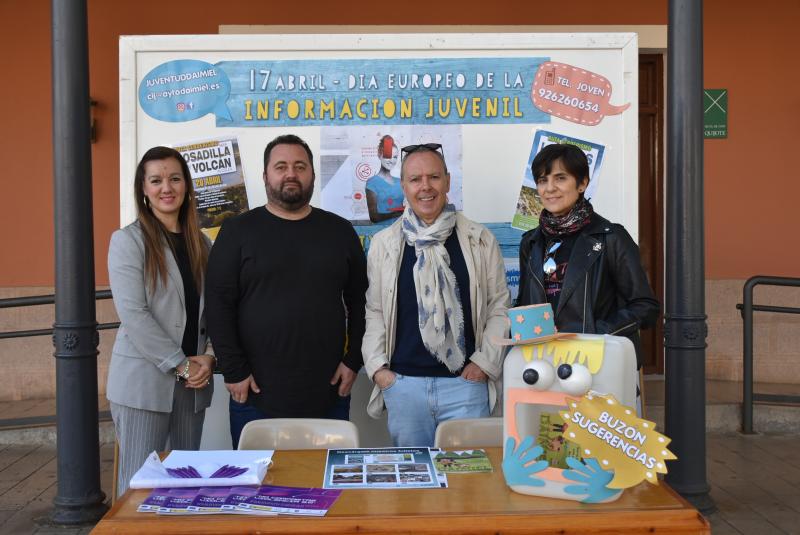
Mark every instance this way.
x=755 y=482
x=28 y=486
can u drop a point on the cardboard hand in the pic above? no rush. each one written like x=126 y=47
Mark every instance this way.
x=593 y=480
x=515 y=459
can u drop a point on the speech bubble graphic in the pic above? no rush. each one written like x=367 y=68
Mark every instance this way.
x=619 y=440
x=573 y=94
x=183 y=90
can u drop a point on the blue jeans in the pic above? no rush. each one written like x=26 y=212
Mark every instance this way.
x=416 y=405
x=242 y=413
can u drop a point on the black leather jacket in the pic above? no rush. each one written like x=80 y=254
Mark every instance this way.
x=605 y=288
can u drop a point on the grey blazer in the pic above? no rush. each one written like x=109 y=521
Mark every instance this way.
x=148 y=345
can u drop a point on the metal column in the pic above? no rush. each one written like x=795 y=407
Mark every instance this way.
x=79 y=498
x=685 y=328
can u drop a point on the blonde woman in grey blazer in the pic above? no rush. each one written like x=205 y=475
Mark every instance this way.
x=159 y=380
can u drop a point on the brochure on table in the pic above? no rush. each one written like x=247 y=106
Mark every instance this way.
x=381 y=468
x=264 y=500
x=461 y=461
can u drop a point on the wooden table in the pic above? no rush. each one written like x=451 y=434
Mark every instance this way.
x=473 y=503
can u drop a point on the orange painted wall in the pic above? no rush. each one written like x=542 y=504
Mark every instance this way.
x=742 y=45
x=752 y=179
x=26 y=218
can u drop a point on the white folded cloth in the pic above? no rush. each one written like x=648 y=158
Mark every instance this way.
x=154 y=473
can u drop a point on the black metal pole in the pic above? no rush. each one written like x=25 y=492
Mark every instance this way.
x=747 y=359
x=685 y=328
x=79 y=498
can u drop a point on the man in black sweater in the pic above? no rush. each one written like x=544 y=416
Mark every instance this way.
x=285 y=299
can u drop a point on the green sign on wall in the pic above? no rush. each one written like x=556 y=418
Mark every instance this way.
x=715 y=113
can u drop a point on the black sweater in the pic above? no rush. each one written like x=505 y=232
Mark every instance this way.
x=282 y=300
x=191 y=297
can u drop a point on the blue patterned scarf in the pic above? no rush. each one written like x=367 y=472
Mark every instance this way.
x=441 y=316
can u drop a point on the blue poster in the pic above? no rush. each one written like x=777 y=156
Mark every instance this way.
x=345 y=92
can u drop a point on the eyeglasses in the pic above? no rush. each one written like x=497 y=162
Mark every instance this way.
x=433 y=147
x=550 y=265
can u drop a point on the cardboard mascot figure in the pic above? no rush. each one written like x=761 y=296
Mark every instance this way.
x=569 y=429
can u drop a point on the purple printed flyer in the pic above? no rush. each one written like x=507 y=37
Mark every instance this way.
x=156 y=499
x=291 y=500
x=264 y=500
x=178 y=501
x=236 y=496
x=209 y=500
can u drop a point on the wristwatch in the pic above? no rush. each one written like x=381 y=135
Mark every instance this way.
x=184 y=373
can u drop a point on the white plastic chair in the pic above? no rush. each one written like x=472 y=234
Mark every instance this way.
x=469 y=432
x=298 y=434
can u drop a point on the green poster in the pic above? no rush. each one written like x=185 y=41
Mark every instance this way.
x=715 y=113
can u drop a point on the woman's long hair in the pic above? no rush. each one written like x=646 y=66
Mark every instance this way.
x=155 y=233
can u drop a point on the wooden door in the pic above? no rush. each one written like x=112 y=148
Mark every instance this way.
x=651 y=196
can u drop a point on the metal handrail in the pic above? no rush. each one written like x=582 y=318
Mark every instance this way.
x=747 y=308
x=33 y=300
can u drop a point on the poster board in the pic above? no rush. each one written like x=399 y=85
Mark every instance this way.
x=489 y=155
x=488 y=149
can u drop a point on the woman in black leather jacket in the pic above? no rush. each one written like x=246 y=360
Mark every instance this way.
x=587 y=268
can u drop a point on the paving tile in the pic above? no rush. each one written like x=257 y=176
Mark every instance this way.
x=780 y=447
x=792 y=501
x=31 y=487
x=4 y=516
x=755 y=482
x=740 y=516
x=24 y=467
x=12 y=453
x=783 y=517
x=787 y=467
x=720 y=526
x=25 y=520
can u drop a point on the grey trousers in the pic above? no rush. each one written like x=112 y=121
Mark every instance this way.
x=140 y=432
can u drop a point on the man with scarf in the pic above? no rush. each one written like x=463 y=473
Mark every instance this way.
x=437 y=295
x=586 y=267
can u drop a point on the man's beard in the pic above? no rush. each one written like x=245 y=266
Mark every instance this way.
x=292 y=198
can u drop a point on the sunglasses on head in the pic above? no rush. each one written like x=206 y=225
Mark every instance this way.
x=433 y=147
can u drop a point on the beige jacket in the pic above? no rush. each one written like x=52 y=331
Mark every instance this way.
x=488 y=294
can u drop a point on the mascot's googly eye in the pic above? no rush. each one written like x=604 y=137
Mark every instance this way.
x=539 y=374
x=564 y=371
x=575 y=379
